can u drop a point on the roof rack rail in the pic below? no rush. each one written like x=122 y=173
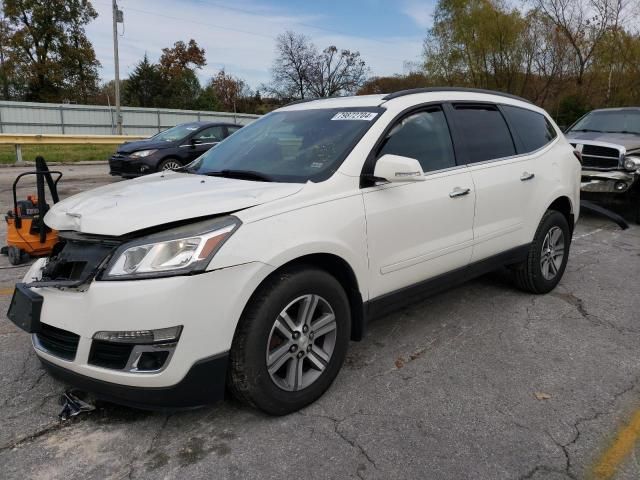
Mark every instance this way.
x=412 y=91
x=302 y=100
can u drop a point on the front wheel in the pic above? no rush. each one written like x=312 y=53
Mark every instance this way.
x=291 y=341
x=169 y=164
x=547 y=257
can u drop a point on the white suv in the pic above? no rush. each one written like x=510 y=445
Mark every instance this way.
x=253 y=267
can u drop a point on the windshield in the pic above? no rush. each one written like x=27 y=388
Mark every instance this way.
x=290 y=146
x=614 y=121
x=176 y=133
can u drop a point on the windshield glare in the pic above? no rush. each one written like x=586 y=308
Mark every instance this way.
x=621 y=121
x=291 y=146
x=176 y=133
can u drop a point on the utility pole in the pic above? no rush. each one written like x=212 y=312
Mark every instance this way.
x=117 y=18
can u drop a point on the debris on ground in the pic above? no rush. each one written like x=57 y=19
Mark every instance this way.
x=72 y=405
x=542 y=396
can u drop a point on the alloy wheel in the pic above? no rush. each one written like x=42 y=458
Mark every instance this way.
x=301 y=342
x=552 y=253
x=171 y=165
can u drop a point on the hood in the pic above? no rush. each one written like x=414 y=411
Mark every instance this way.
x=158 y=199
x=148 y=144
x=629 y=141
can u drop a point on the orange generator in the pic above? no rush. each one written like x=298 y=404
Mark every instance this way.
x=27 y=234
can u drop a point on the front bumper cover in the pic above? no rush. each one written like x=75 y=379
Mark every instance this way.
x=203 y=384
x=595 y=181
x=127 y=167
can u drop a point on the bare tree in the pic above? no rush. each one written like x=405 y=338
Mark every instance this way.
x=336 y=72
x=584 y=23
x=299 y=71
x=295 y=57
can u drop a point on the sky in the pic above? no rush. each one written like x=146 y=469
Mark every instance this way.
x=239 y=35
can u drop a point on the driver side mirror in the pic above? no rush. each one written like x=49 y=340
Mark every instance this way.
x=398 y=169
x=195 y=141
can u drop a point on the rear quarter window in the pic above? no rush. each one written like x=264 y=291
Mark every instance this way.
x=531 y=129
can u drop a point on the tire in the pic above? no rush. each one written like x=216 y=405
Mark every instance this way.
x=260 y=341
x=168 y=164
x=15 y=255
x=531 y=275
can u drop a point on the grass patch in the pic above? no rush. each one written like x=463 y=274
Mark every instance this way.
x=58 y=153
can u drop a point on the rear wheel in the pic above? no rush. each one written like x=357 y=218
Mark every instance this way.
x=547 y=257
x=169 y=164
x=291 y=341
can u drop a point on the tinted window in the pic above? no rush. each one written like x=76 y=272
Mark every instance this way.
x=423 y=136
x=210 y=135
x=533 y=129
x=233 y=129
x=484 y=132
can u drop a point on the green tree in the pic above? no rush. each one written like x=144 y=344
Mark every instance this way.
x=144 y=85
x=50 y=52
x=376 y=85
x=177 y=67
x=477 y=43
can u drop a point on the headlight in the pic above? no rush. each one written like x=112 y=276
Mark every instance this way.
x=143 y=153
x=179 y=251
x=632 y=163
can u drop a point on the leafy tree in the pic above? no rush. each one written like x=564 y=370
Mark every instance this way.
x=565 y=55
x=177 y=68
x=228 y=90
x=50 y=50
x=395 y=83
x=144 y=85
x=7 y=64
x=476 y=42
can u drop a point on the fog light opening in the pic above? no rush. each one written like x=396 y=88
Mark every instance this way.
x=151 y=361
x=620 y=186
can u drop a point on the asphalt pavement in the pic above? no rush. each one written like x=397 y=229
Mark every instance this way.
x=480 y=382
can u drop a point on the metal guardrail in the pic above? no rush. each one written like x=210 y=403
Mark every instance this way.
x=54 y=118
x=19 y=139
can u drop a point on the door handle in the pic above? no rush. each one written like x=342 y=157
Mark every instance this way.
x=459 y=192
x=527 y=176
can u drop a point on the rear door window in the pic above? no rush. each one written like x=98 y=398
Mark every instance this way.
x=233 y=129
x=210 y=135
x=483 y=131
x=423 y=136
x=532 y=129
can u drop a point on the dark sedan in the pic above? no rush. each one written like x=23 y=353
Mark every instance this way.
x=170 y=149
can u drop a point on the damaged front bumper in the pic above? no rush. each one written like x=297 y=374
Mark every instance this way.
x=207 y=306
x=616 y=181
x=203 y=384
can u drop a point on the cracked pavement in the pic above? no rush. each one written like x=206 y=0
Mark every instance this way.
x=445 y=388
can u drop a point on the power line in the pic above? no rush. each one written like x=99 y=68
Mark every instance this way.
x=248 y=32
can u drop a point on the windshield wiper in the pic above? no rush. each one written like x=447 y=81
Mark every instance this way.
x=587 y=130
x=240 y=174
x=622 y=131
